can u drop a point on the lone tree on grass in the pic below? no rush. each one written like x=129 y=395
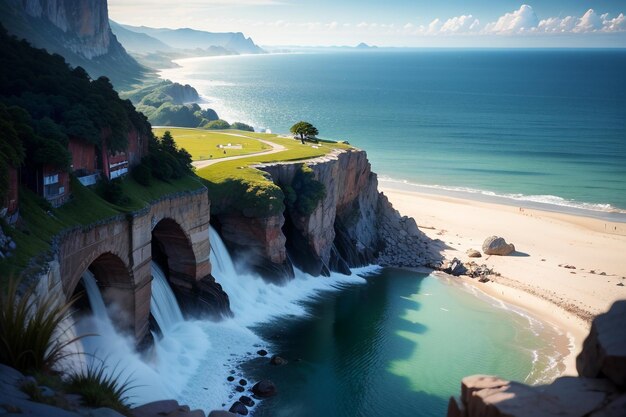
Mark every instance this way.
x=304 y=130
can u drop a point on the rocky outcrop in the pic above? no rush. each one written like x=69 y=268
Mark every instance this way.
x=260 y=240
x=495 y=245
x=599 y=391
x=87 y=21
x=77 y=30
x=352 y=225
x=604 y=350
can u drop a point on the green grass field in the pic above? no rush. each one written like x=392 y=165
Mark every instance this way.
x=236 y=184
x=203 y=144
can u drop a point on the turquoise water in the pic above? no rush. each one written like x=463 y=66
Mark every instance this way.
x=397 y=345
x=545 y=126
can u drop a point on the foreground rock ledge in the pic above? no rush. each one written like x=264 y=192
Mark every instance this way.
x=598 y=392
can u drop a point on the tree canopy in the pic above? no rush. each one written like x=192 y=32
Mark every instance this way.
x=304 y=130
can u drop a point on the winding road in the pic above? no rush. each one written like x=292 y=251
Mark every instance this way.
x=207 y=162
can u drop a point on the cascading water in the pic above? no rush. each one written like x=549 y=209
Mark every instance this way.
x=221 y=262
x=163 y=304
x=193 y=358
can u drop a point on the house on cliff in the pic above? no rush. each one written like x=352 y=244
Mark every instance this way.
x=89 y=163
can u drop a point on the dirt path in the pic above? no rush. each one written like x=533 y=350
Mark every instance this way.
x=207 y=162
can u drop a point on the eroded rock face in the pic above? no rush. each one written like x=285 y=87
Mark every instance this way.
x=86 y=20
x=604 y=350
x=260 y=241
x=495 y=245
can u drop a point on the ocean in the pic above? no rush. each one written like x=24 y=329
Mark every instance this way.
x=538 y=128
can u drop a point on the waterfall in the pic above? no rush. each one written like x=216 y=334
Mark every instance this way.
x=191 y=361
x=163 y=304
x=95 y=297
x=221 y=262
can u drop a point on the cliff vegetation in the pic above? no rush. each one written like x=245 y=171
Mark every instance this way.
x=43 y=105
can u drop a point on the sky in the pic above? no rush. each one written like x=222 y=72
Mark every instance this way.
x=408 y=23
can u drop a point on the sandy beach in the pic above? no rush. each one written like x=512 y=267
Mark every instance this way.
x=535 y=278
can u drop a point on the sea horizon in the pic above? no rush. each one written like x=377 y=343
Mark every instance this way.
x=603 y=196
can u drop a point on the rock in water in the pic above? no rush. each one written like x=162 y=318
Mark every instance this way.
x=239 y=408
x=264 y=389
x=262 y=352
x=221 y=413
x=495 y=245
x=247 y=401
x=473 y=253
x=604 y=350
x=277 y=360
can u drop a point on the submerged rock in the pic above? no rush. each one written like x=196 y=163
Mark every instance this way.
x=495 y=245
x=264 y=389
x=247 y=401
x=238 y=408
x=277 y=360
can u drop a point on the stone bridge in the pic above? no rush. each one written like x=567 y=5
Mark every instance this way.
x=119 y=252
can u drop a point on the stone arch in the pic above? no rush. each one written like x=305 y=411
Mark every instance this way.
x=173 y=249
x=117 y=286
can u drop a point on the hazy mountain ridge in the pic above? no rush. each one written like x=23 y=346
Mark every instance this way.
x=189 y=39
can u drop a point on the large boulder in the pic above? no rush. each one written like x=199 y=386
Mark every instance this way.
x=488 y=396
x=495 y=245
x=604 y=350
x=264 y=389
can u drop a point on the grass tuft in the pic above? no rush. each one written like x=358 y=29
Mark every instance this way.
x=100 y=388
x=31 y=335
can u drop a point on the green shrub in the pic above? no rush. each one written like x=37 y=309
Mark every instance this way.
x=100 y=388
x=308 y=191
x=142 y=173
x=30 y=327
x=242 y=126
x=217 y=125
x=113 y=193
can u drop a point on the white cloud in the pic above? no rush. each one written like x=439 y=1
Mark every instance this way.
x=521 y=20
x=588 y=23
x=557 y=25
x=460 y=24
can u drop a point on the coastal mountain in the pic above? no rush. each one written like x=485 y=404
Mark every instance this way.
x=136 y=41
x=77 y=30
x=190 y=39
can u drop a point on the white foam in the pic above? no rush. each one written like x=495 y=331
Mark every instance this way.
x=550 y=200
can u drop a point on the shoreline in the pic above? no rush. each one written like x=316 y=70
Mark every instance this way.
x=534 y=280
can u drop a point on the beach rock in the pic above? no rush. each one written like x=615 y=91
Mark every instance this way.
x=238 y=408
x=230 y=378
x=278 y=361
x=264 y=389
x=473 y=253
x=495 y=245
x=604 y=350
x=243 y=382
x=262 y=352
x=247 y=401
x=617 y=408
x=454 y=267
x=495 y=397
x=239 y=388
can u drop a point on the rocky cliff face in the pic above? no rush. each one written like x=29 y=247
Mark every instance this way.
x=353 y=225
x=78 y=30
x=599 y=391
x=85 y=21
